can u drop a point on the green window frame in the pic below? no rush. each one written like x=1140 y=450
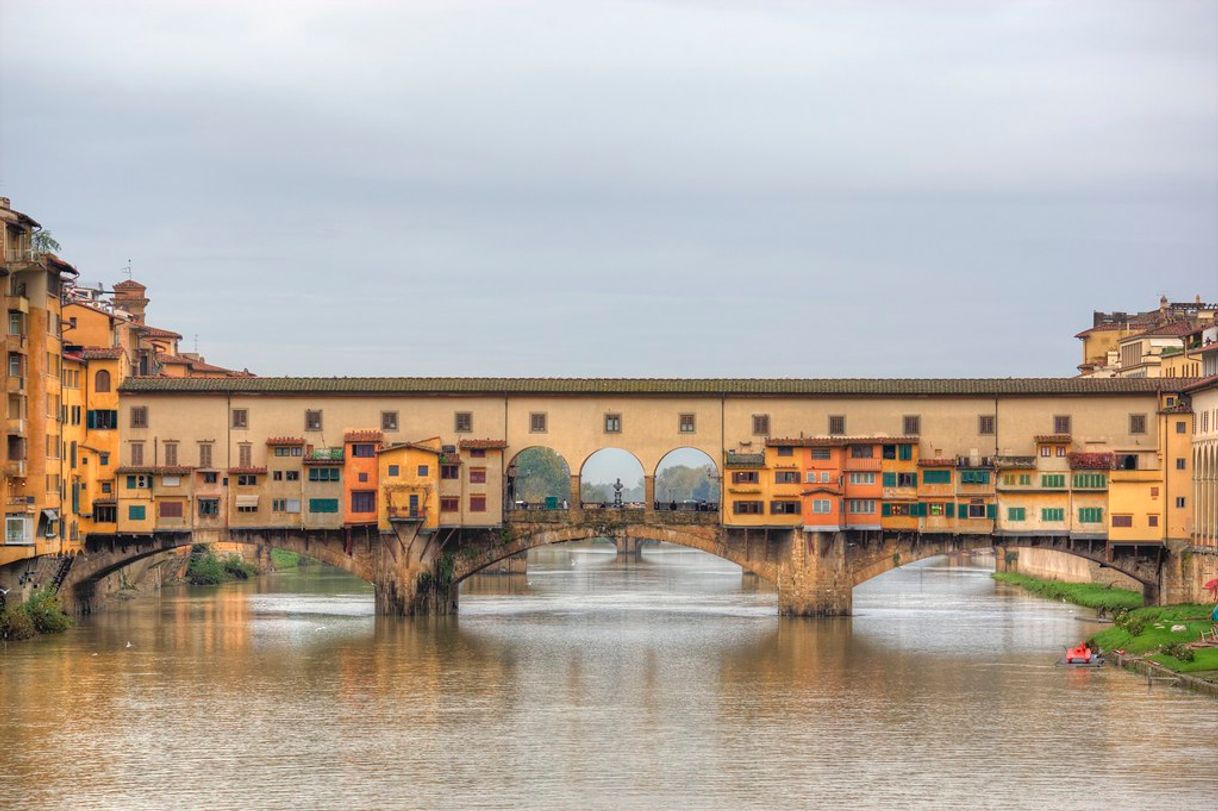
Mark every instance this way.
x=1052 y=513
x=323 y=474
x=975 y=477
x=936 y=477
x=1053 y=480
x=1090 y=515
x=136 y=512
x=890 y=479
x=905 y=452
x=323 y=505
x=1090 y=480
x=1017 y=513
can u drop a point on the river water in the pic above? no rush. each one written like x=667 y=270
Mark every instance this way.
x=592 y=683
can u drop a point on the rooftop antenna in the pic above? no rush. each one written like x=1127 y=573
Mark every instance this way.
x=127 y=269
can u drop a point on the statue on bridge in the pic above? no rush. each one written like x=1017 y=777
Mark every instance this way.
x=617 y=493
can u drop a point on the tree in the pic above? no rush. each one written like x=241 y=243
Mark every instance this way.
x=45 y=243
x=540 y=472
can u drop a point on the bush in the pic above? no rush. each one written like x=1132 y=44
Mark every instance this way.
x=236 y=567
x=204 y=570
x=45 y=612
x=1180 y=651
x=16 y=624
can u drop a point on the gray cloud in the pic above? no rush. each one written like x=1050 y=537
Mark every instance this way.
x=675 y=188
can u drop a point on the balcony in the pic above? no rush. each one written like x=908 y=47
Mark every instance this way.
x=20 y=304
x=1015 y=462
x=18 y=344
x=407 y=515
x=865 y=465
x=15 y=426
x=15 y=468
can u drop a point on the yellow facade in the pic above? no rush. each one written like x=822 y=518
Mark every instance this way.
x=410 y=484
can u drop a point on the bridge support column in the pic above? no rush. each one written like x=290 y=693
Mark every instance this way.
x=577 y=510
x=814 y=580
x=649 y=498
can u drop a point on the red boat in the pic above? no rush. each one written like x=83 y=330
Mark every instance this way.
x=1082 y=655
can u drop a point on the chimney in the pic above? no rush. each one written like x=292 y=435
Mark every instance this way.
x=129 y=296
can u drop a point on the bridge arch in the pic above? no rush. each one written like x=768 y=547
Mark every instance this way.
x=687 y=474
x=601 y=468
x=535 y=475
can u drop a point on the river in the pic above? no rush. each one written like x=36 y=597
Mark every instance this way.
x=592 y=683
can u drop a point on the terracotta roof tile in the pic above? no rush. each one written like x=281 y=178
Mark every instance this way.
x=482 y=443
x=1052 y=439
x=162 y=470
x=363 y=436
x=950 y=462
x=248 y=469
x=499 y=386
x=285 y=440
x=101 y=352
x=1090 y=461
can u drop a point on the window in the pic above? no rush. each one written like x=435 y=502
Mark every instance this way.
x=363 y=450
x=101 y=381
x=363 y=501
x=323 y=505
x=1137 y=425
x=862 y=478
x=247 y=480
x=1017 y=513
x=1180 y=502
x=1052 y=514
x=889 y=451
x=323 y=474
x=860 y=451
x=136 y=512
x=936 y=477
x=277 y=475
x=821 y=506
x=285 y=505
x=210 y=477
x=1181 y=427
x=477 y=504
x=912 y=424
x=291 y=475
x=1154 y=492
x=105 y=513
x=450 y=471
x=1090 y=480
x=1181 y=463
x=685 y=423
x=820 y=453
x=204 y=454
x=747 y=507
x=209 y=507
x=139 y=416
x=312 y=420
x=537 y=423
x=905 y=452
x=137 y=453
x=171 y=454
x=761 y=427
x=477 y=453
x=103 y=459
x=293 y=450
x=976 y=509
x=138 y=481
x=1090 y=515
x=1060 y=450
x=1061 y=424
x=1126 y=461
x=1152 y=520
x=746 y=477
x=423 y=471
x=171 y=481
x=1122 y=520
x=1045 y=450
x=394 y=470
x=786 y=450
x=613 y=423
x=907 y=480
x=389 y=420
x=985 y=424
x=245 y=454
x=463 y=422
x=240 y=418
x=974 y=477
x=837 y=424
x=450 y=504
x=860 y=506
x=784 y=508
x=169 y=509
x=477 y=475
x=786 y=477
x=1053 y=480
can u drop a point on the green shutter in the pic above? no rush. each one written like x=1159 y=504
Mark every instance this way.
x=949 y=509
x=991 y=511
x=964 y=509
x=905 y=452
x=890 y=480
x=885 y=508
x=919 y=510
x=135 y=512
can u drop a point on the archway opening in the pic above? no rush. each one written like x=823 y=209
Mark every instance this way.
x=687 y=479
x=538 y=479
x=612 y=478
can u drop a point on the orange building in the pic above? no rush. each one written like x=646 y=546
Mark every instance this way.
x=360 y=477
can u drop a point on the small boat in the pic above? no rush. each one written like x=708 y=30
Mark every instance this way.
x=1081 y=655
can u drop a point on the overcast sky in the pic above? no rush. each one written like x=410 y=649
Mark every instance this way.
x=624 y=188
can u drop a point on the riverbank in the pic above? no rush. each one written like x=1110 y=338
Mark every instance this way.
x=41 y=614
x=1104 y=599
x=1162 y=635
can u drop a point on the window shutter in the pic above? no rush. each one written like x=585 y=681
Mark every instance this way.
x=886 y=509
x=991 y=511
x=91 y=419
x=890 y=480
x=950 y=509
x=964 y=509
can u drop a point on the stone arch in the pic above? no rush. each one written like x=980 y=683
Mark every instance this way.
x=518 y=486
x=704 y=539
x=621 y=458
x=691 y=457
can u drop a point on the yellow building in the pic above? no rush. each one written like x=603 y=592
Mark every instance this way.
x=410 y=484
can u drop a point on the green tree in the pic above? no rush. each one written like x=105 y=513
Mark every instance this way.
x=540 y=472
x=45 y=243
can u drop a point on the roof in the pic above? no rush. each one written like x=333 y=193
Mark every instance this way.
x=156 y=332
x=849 y=387
x=828 y=441
x=1172 y=329
x=1090 y=461
x=129 y=284
x=1015 y=461
x=101 y=352
x=285 y=440
x=745 y=460
x=1053 y=439
x=1202 y=383
x=247 y=469
x=418 y=446
x=163 y=470
x=363 y=436
x=475 y=444
x=948 y=462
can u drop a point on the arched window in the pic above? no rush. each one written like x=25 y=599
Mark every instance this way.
x=102 y=381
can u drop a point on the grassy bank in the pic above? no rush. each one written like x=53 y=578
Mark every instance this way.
x=1148 y=632
x=1105 y=599
x=40 y=614
x=206 y=569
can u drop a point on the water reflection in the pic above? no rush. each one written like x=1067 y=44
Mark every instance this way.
x=592 y=682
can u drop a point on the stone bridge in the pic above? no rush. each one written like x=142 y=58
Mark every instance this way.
x=416 y=573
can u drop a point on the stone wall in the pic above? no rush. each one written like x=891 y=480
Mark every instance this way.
x=1049 y=564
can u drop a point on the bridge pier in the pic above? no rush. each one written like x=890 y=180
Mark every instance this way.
x=814 y=579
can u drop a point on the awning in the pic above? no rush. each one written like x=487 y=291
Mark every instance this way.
x=50 y=514
x=247 y=501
